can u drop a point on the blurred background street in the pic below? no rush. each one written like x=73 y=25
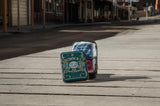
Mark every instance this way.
x=33 y=33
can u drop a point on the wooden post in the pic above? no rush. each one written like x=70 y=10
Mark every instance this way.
x=32 y=14
x=18 y=16
x=129 y=13
x=44 y=13
x=117 y=16
x=67 y=13
x=63 y=9
x=80 y=10
x=146 y=11
x=52 y=5
x=92 y=11
x=48 y=5
x=9 y=12
x=5 y=17
x=130 y=10
x=86 y=11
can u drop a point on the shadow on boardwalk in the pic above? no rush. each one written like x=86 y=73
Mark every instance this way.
x=18 y=44
x=111 y=77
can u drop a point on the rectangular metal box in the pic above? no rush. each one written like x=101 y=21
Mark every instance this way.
x=74 y=67
x=91 y=52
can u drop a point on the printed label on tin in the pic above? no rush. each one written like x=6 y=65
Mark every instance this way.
x=73 y=64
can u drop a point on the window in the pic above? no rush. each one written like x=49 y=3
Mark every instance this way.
x=59 y=7
x=49 y=5
x=55 y=6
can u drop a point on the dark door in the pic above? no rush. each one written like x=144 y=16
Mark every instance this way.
x=38 y=11
x=1 y=12
x=71 y=12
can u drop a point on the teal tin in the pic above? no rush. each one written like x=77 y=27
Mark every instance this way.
x=74 y=67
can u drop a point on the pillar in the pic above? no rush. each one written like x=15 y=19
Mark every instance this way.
x=129 y=13
x=32 y=14
x=44 y=13
x=5 y=17
x=67 y=12
x=80 y=10
x=63 y=9
x=18 y=15
x=86 y=11
x=92 y=11
x=117 y=16
x=9 y=13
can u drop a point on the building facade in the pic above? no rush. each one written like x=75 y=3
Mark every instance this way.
x=12 y=5
x=27 y=12
x=144 y=3
x=24 y=12
x=72 y=11
x=2 y=12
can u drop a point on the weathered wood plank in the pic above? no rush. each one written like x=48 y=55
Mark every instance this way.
x=89 y=83
x=58 y=100
x=84 y=91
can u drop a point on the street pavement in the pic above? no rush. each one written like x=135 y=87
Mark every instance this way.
x=128 y=73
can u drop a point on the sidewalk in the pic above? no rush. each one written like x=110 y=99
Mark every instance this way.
x=25 y=29
x=150 y=18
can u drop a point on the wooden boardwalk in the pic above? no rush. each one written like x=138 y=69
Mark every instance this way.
x=128 y=75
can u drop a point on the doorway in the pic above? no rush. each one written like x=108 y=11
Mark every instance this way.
x=2 y=12
x=71 y=12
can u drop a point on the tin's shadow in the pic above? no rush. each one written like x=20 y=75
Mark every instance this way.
x=112 y=77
